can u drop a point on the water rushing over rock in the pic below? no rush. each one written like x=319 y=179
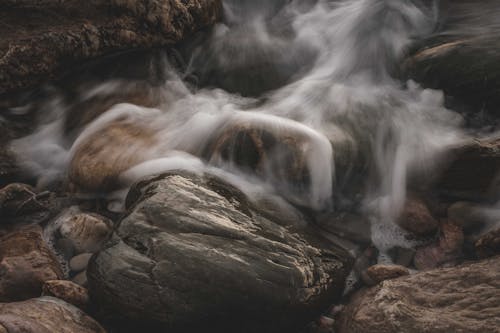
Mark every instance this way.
x=301 y=99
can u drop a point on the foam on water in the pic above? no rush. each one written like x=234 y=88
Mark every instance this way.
x=325 y=71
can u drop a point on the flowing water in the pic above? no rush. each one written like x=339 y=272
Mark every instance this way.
x=320 y=76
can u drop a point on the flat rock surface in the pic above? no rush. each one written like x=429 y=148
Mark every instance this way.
x=460 y=299
x=45 y=315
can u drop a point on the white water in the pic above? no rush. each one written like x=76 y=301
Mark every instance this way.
x=329 y=71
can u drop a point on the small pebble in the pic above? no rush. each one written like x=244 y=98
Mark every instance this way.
x=80 y=262
x=81 y=279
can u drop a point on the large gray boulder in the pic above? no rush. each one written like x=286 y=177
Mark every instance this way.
x=193 y=252
x=459 y=299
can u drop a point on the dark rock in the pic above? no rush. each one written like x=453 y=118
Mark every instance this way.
x=459 y=299
x=488 y=245
x=472 y=171
x=378 y=273
x=45 y=315
x=67 y=291
x=356 y=228
x=416 y=218
x=193 y=252
x=41 y=39
x=467 y=215
x=26 y=262
x=461 y=58
x=402 y=256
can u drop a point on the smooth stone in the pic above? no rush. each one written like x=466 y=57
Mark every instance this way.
x=81 y=279
x=378 y=273
x=79 y=263
x=416 y=218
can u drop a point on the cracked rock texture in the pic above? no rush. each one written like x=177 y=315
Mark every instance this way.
x=40 y=39
x=45 y=315
x=459 y=299
x=194 y=252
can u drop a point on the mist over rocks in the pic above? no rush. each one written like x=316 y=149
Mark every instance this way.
x=193 y=251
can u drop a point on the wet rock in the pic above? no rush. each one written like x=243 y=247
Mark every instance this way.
x=459 y=299
x=446 y=251
x=99 y=160
x=489 y=244
x=467 y=215
x=26 y=262
x=354 y=227
x=87 y=232
x=79 y=262
x=378 y=273
x=67 y=291
x=81 y=279
x=40 y=40
x=416 y=218
x=193 y=252
x=480 y=158
x=461 y=58
x=46 y=315
x=451 y=238
x=280 y=154
x=402 y=256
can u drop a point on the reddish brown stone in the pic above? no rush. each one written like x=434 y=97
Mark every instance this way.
x=26 y=262
x=416 y=218
x=489 y=244
x=67 y=291
x=378 y=273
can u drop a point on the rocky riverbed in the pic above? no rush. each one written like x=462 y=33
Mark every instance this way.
x=247 y=165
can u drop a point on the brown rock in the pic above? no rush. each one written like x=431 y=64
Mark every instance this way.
x=459 y=299
x=87 y=232
x=378 y=273
x=79 y=263
x=67 y=291
x=416 y=218
x=489 y=244
x=40 y=39
x=446 y=251
x=98 y=162
x=45 y=315
x=467 y=215
x=451 y=238
x=26 y=263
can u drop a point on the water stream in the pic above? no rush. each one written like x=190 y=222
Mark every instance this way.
x=310 y=91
